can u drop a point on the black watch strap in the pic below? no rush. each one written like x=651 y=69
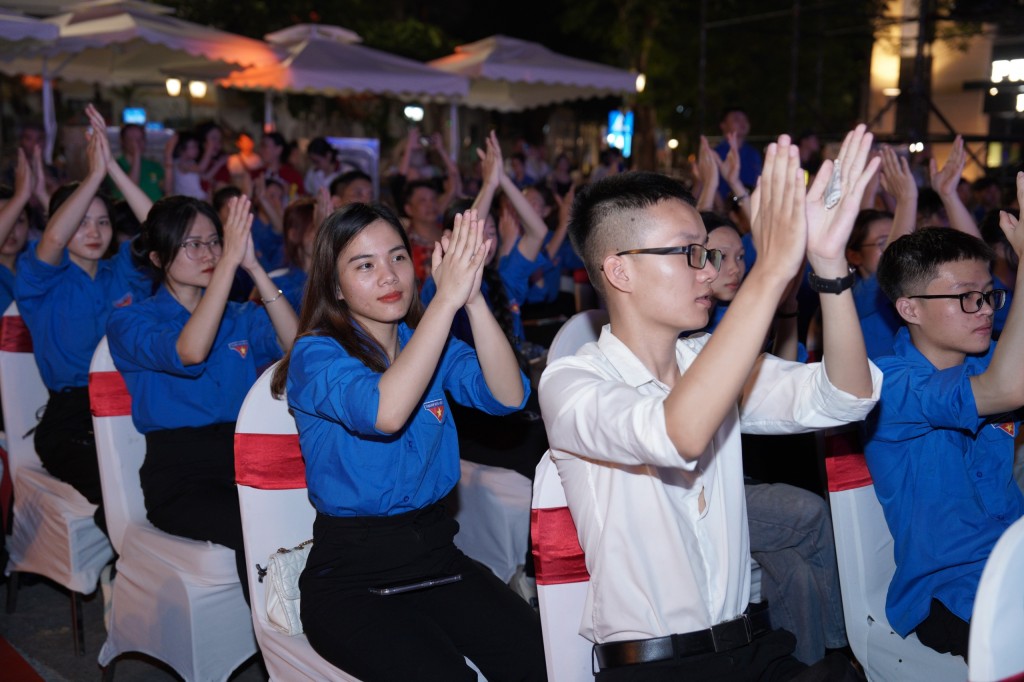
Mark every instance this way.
x=831 y=286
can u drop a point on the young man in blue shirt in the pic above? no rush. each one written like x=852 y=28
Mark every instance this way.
x=941 y=441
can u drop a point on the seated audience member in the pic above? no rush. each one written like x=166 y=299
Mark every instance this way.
x=299 y=234
x=186 y=171
x=941 y=442
x=323 y=165
x=213 y=164
x=146 y=173
x=735 y=126
x=421 y=207
x=270 y=198
x=13 y=226
x=65 y=291
x=352 y=187
x=31 y=140
x=245 y=165
x=644 y=426
x=986 y=196
x=367 y=382
x=274 y=151
x=878 y=319
x=188 y=357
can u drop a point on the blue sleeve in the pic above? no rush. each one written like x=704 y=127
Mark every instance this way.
x=36 y=277
x=566 y=257
x=140 y=341
x=326 y=382
x=428 y=291
x=915 y=402
x=464 y=379
x=124 y=265
x=515 y=271
x=268 y=244
x=749 y=252
x=262 y=335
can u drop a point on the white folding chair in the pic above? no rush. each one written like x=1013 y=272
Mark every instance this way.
x=174 y=599
x=494 y=517
x=276 y=513
x=53 y=533
x=864 y=549
x=997 y=623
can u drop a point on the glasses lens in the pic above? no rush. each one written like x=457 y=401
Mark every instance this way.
x=215 y=245
x=696 y=256
x=715 y=256
x=996 y=298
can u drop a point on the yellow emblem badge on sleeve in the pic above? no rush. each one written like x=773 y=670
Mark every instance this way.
x=436 y=408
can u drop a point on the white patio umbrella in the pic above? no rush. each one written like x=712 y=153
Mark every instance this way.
x=16 y=28
x=329 y=60
x=120 y=42
x=508 y=74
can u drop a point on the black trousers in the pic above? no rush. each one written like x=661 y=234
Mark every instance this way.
x=188 y=484
x=421 y=635
x=767 y=659
x=66 y=445
x=944 y=631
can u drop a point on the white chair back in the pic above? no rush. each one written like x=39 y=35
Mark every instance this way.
x=53 y=533
x=562 y=579
x=276 y=513
x=997 y=624
x=175 y=599
x=22 y=392
x=579 y=330
x=864 y=549
x=116 y=435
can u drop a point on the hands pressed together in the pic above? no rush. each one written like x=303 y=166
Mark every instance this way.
x=458 y=261
x=787 y=222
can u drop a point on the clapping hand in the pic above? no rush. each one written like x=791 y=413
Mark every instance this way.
x=458 y=261
x=828 y=228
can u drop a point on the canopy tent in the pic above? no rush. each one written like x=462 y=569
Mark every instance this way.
x=508 y=74
x=16 y=28
x=120 y=42
x=329 y=60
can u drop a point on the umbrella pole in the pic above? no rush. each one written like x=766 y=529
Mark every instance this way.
x=268 y=112
x=49 y=115
x=453 y=131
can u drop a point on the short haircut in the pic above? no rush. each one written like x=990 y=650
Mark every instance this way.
x=729 y=110
x=221 y=196
x=912 y=261
x=984 y=182
x=411 y=187
x=321 y=147
x=929 y=204
x=593 y=225
x=341 y=183
x=128 y=126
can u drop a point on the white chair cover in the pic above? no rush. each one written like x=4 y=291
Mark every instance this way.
x=276 y=513
x=997 y=624
x=174 y=599
x=494 y=517
x=864 y=549
x=53 y=532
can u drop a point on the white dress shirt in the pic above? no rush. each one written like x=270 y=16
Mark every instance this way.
x=658 y=565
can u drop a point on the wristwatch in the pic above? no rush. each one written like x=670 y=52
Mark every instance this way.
x=831 y=286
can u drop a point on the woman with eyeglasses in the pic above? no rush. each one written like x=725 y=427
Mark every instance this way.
x=66 y=289
x=878 y=319
x=189 y=356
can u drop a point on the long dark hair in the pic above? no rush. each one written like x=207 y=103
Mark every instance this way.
x=323 y=314
x=164 y=230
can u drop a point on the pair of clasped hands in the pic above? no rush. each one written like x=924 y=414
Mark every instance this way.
x=790 y=221
x=458 y=261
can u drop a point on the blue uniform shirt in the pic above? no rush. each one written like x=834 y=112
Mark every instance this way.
x=352 y=469
x=268 y=244
x=292 y=284
x=750 y=165
x=944 y=477
x=879 y=320
x=165 y=393
x=6 y=288
x=66 y=311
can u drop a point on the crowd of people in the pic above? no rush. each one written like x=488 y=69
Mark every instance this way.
x=773 y=293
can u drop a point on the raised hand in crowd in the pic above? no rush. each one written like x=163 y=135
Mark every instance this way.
x=139 y=202
x=829 y=223
x=730 y=168
x=945 y=181
x=562 y=229
x=706 y=171
x=13 y=209
x=898 y=182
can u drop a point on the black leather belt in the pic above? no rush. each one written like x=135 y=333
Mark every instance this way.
x=731 y=634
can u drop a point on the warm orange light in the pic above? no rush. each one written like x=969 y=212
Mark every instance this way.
x=32 y=83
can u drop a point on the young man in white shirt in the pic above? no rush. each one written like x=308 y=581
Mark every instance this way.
x=644 y=427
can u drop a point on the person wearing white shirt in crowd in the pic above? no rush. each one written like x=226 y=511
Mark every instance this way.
x=644 y=427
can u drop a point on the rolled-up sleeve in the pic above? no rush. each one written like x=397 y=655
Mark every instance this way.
x=789 y=397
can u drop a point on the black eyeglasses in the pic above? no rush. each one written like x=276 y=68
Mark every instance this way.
x=195 y=248
x=697 y=255
x=972 y=301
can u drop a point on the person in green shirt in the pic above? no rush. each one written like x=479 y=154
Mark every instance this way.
x=146 y=173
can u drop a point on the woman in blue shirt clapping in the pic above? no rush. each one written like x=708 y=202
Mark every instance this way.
x=188 y=357
x=381 y=452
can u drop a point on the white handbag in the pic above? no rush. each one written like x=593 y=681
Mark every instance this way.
x=283 y=569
